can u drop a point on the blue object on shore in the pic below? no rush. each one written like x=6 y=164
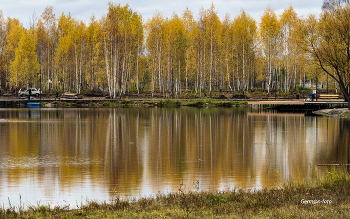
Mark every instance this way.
x=33 y=105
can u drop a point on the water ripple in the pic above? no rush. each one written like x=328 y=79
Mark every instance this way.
x=47 y=161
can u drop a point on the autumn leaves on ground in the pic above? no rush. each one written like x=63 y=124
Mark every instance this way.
x=197 y=52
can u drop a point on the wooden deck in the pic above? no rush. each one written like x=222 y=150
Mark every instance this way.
x=275 y=102
x=293 y=102
x=297 y=106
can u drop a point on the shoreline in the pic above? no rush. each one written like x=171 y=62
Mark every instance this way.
x=154 y=102
x=325 y=197
x=115 y=103
x=336 y=112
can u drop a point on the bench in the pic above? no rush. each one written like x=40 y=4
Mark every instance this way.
x=68 y=95
x=329 y=96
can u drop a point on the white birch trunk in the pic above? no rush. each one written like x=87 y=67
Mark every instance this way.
x=107 y=68
x=211 y=60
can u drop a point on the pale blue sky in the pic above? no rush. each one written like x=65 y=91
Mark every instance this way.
x=84 y=9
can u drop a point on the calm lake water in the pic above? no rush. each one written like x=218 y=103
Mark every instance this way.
x=68 y=156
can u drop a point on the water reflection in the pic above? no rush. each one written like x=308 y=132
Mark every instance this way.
x=63 y=156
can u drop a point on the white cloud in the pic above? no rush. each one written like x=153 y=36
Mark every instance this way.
x=84 y=9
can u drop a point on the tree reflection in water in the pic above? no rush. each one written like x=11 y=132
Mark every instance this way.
x=63 y=154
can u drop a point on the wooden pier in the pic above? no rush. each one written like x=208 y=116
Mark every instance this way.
x=297 y=105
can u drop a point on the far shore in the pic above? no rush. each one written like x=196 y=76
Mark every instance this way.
x=221 y=101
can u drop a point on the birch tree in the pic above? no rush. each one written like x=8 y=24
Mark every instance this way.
x=327 y=41
x=269 y=34
x=288 y=21
x=47 y=45
x=213 y=36
x=154 y=45
x=244 y=32
x=25 y=66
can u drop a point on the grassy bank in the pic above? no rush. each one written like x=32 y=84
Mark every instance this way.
x=142 y=103
x=328 y=197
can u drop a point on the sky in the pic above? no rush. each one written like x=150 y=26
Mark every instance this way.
x=84 y=9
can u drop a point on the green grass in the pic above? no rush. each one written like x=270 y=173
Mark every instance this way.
x=169 y=103
x=165 y=103
x=172 y=103
x=299 y=88
x=292 y=201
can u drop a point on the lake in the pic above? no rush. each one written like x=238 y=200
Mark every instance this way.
x=67 y=157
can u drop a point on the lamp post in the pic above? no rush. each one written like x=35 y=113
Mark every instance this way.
x=327 y=81
x=274 y=83
x=316 y=87
x=39 y=74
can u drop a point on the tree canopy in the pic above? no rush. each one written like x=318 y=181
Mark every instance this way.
x=120 y=52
